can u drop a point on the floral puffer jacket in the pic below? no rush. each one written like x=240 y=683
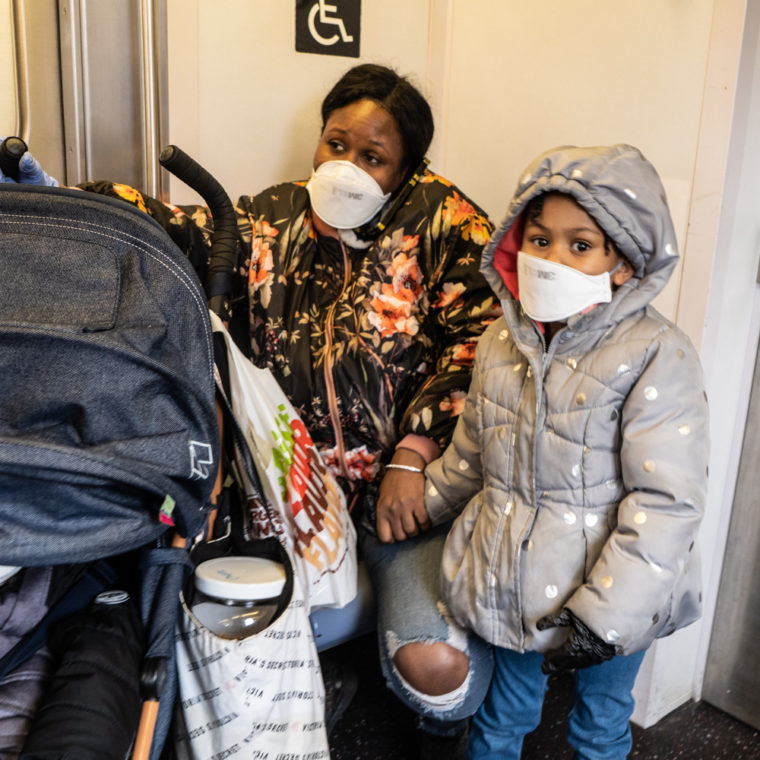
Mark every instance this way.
x=369 y=341
x=578 y=468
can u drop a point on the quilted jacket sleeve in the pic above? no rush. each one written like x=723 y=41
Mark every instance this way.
x=457 y=475
x=645 y=583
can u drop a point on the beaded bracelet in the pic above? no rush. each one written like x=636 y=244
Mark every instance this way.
x=403 y=467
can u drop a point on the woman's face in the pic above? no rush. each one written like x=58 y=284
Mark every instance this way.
x=367 y=135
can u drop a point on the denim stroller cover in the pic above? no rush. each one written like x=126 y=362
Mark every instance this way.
x=108 y=429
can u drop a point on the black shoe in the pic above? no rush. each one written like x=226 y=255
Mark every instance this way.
x=341 y=685
x=434 y=747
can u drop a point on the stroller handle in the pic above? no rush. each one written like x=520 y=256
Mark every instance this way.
x=11 y=150
x=224 y=241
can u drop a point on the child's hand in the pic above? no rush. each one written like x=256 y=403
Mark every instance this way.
x=581 y=649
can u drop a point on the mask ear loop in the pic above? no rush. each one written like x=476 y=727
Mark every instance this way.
x=370 y=230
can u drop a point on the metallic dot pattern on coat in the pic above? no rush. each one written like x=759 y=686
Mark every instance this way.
x=591 y=520
x=580 y=398
x=650 y=393
x=640 y=518
x=684 y=429
x=517 y=367
x=622 y=369
x=657 y=568
x=569 y=518
x=670 y=249
x=611 y=484
x=630 y=193
x=576 y=471
x=572 y=363
x=433 y=491
x=551 y=591
x=504 y=334
x=612 y=635
x=649 y=465
x=507 y=507
x=577 y=173
x=607 y=581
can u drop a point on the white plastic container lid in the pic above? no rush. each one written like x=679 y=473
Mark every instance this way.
x=240 y=578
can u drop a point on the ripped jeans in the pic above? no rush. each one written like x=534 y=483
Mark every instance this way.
x=406 y=583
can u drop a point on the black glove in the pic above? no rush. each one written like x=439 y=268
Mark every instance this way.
x=581 y=649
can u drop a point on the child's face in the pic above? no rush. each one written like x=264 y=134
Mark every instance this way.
x=564 y=233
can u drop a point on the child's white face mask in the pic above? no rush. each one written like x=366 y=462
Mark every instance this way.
x=343 y=195
x=551 y=292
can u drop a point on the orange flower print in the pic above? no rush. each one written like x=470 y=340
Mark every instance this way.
x=261 y=263
x=452 y=291
x=330 y=458
x=428 y=177
x=390 y=314
x=130 y=194
x=410 y=242
x=360 y=463
x=267 y=230
x=406 y=276
x=457 y=210
x=477 y=230
x=454 y=403
x=463 y=354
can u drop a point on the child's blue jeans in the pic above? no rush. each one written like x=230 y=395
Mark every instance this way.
x=598 y=727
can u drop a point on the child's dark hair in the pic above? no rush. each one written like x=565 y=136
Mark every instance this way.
x=536 y=205
x=397 y=95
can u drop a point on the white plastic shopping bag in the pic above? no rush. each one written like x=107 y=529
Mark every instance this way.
x=317 y=527
x=256 y=697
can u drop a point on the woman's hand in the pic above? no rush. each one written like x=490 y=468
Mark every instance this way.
x=401 y=512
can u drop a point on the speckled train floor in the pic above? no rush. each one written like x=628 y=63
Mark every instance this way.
x=376 y=727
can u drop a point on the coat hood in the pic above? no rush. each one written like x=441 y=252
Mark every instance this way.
x=621 y=191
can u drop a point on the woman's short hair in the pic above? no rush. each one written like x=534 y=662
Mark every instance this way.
x=397 y=95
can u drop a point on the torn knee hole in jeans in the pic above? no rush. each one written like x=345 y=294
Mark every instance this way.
x=456 y=638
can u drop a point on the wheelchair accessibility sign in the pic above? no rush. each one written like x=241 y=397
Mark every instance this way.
x=329 y=27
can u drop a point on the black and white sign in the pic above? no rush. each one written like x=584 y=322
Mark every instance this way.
x=329 y=27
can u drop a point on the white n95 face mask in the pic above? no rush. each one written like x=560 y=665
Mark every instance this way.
x=343 y=195
x=551 y=292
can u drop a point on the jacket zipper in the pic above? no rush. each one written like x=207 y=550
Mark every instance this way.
x=332 y=399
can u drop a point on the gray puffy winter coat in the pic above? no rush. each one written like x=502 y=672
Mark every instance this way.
x=578 y=470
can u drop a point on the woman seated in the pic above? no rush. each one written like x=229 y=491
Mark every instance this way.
x=365 y=300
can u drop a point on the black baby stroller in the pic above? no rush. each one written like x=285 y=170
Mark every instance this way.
x=108 y=433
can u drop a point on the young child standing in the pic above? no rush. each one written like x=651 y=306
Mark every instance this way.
x=578 y=469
